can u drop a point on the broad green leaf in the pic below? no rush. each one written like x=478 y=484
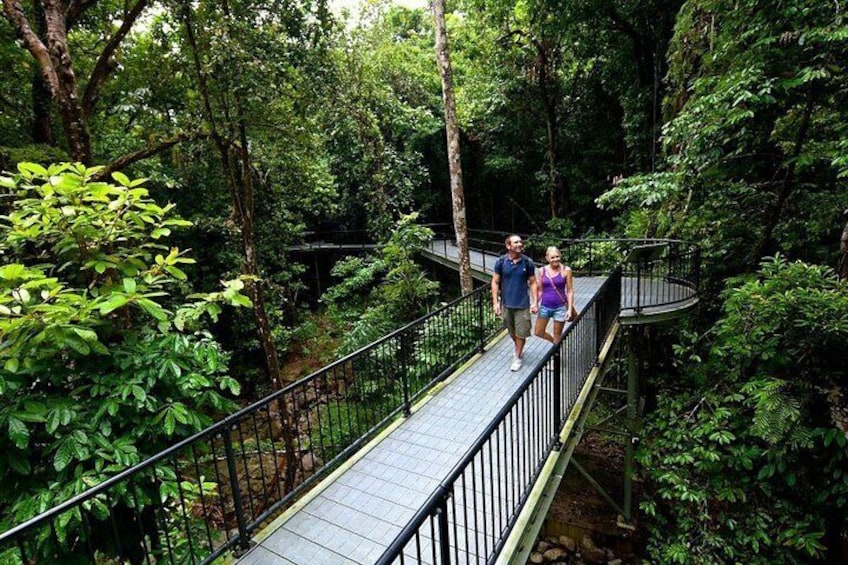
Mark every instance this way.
x=129 y=285
x=12 y=272
x=18 y=462
x=86 y=334
x=152 y=308
x=176 y=273
x=32 y=169
x=113 y=303
x=64 y=454
x=121 y=178
x=18 y=433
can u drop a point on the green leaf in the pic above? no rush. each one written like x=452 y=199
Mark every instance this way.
x=139 y=393
x=86 y=334
x=176 y=273
x=129 y=286
x=76 y=344
x=12 y=272
x=12 y=365
x=152 y=308
x=64 y=454
x=114 y=302
x=121 y=178
x=32 y=169
x=18 y=462
x=170 y=422
x=18 y=432
x=241 y=300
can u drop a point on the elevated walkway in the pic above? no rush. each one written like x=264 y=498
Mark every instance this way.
x=355 y=514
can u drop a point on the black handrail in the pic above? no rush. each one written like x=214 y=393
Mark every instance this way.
x=209 y=492
x=561 y=374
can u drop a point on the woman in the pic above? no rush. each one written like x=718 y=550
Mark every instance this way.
x=555 y=295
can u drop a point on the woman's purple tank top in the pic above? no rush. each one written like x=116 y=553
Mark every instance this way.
x=553 y=290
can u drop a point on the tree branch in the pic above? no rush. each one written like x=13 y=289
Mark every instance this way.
x=14 y=12
x=75 y=9
x=105 y=66
x=130 y=158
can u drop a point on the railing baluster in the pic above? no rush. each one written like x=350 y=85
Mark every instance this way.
x=444 y=532
x=241 y=522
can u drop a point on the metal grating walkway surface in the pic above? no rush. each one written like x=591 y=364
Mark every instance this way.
x=354 y=515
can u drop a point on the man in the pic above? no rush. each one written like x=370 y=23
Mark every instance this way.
x=510 y=297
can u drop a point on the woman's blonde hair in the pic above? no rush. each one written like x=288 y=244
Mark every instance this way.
x=552 y=249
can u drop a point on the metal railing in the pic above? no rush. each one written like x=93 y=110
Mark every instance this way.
x=208 y=493
x=469 y=516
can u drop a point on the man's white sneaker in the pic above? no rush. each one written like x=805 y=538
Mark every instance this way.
x=516 y=364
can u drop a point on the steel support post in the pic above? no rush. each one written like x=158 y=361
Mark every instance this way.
x=630 y=446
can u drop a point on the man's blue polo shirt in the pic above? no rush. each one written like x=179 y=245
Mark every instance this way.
x=514 y=277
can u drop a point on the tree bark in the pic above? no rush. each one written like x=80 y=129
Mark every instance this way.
x=454 y=155
x=49 y=47
x=550 y=102
x=42 y=127
x=842 y=264
x=130 y=158
x=54 y=59
x=65 y=93
x=105 y=65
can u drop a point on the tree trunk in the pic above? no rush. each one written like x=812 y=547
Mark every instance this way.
x=454 y=155
x=42 y=127
x=842 y=265
x=48 y=45
x=54 y=60
x=549 y=101
x=235 y=161
x=65 y=89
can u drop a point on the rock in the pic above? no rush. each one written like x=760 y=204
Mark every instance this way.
x=309 y=463
x=591 y=552
x=543 y=546
x=614 y=562
x=553 y=554
x=569 y=544
x=536 y=557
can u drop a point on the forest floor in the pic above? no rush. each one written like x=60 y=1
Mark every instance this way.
x=309 y=355
x=581 y=527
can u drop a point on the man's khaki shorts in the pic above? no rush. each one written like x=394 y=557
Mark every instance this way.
x=517 y=321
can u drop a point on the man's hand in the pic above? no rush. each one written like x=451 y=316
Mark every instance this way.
x=497 y=308
x=534 y=309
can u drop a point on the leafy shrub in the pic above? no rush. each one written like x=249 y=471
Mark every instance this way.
x=745 y=460
x=104 y=359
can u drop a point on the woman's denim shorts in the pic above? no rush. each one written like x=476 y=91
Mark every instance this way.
x=558 y=314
